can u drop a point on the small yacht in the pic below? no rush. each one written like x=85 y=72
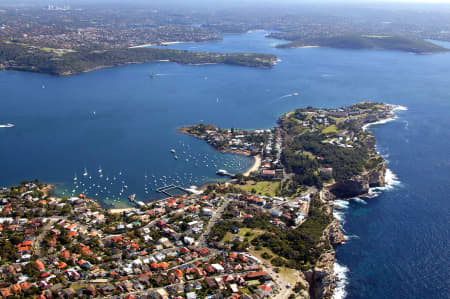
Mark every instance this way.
x=7 y=126
x=85 y=173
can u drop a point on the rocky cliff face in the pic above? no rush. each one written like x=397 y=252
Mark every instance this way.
x=321 y=279
x=377 y=177
x=335 y=234
x=360 y=184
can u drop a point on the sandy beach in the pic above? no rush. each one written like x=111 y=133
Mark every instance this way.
x=255 y=166
x=142 y=46
x=118 y=211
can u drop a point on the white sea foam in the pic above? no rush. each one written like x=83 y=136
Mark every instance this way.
x=343 y=204
x=339 y=213
x=399 y=107
x=380 y=122
x=340 y=272
x=396 y=107
x=391 y=181
x=359 y=200
x=351 y=237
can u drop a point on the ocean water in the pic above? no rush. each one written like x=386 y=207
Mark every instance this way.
x=398 y=241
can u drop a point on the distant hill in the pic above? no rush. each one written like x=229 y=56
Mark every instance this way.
x=374 y=42
x=21 y=57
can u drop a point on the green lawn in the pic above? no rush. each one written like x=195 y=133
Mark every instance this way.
x=329 y=130
x=262 y=188
x=227 y=237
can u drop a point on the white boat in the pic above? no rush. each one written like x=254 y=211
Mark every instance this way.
x=172 y=151
x=100 y=170
x=75 y=177
x=7 y=126
x=85 y=173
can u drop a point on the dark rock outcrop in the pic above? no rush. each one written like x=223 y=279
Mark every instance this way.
x=360 y=184
x=335 y=234
x=321 y=279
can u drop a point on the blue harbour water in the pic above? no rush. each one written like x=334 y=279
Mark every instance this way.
x=398 y=243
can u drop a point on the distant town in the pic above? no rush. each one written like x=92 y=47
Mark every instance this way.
x=71 y=28
x=65 y=40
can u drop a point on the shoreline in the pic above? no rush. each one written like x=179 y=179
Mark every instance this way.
x=340 y=271
x=256 y=159
x=386 y=120
x=119 y=210
x=255 y=166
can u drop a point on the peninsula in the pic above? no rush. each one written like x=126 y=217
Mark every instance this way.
x=369 y=42
x=22 y=57
x=268 y=235
x=313 y=157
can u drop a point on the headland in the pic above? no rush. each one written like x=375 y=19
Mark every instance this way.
x=268 y=234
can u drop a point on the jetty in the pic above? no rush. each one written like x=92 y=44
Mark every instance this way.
x=223 y=172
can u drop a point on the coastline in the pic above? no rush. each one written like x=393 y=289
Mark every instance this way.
x=119 y=211
x=340 y=271
x=171 y=43
x=386 y=120
x=257 y=158
x=255 y=166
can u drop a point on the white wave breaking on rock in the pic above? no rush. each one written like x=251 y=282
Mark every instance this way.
x=383 y=121
x=359 y=200
x=340 y=272
x=391 y=181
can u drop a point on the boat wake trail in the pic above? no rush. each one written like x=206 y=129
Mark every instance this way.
x=7 y=126
x=294 y=94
